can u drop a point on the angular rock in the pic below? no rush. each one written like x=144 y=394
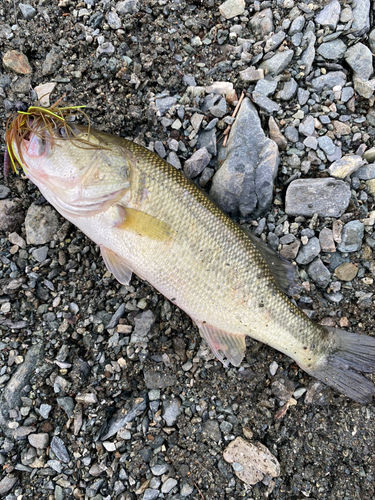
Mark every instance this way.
x=366 y=172
x=319 y=273
x=52 y=62
x=307 y=126
x=211 y=429
x=164 y=104
x=361 y=17
x=330 y=15
x=346 y=271
x=196 y=163
x=27 y=10
x=326 y=197
x=219 y=109
x=251 y=74
x=171 y=410
x=351 y=237
x=266 y=87
x=347 y=165
x=40 y=441
x=276 y=135
x=244 y=183
x=232 y=8
x=6 y=484
x=308 y=56
x=326 y=144
x=288 y=91
x=329 y=80
x=278 y=62
x=297 y=25
x=11 y=215
x=207 y=139
x=291 y=134
x=274 y=41
x=265 y=103
x=59 y=449
x=122 y=417
x=262 y=22
x=113 y=20
x=327 y=243
x=158 y=380
x=41 y=224
x=359 y=58
x=365 y=88
x=333 y=50
x=308 y=252
x=16 y=61
x=127 y=7
x=254 y=459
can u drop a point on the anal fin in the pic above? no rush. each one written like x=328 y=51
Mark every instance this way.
x=116 y=265
x=223 y=344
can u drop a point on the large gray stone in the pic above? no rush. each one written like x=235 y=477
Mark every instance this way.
x=278 y=62
x=351 y=237
x=327 y=197
x=308 y=56
x=332 y=50
x=262 y=22
x=329 y=16
x=41 y=224
x=361 y=17
x=329 y=80
x=359 y=58
x=244 y=183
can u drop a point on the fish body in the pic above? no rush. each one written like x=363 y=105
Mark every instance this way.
x=149 y=219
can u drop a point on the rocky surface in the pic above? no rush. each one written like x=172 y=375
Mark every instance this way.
x=107 y=391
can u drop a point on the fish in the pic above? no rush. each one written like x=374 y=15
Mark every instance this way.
x=149 y=219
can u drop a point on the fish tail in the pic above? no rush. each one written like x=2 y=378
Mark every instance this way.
x=350 y=355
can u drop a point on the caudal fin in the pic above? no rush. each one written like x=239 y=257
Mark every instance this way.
x=351 y=354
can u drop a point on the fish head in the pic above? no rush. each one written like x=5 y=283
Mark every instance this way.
x=79 y=170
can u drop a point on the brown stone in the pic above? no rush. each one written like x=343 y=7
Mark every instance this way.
x=14 y=60
x=276 y=135
x=340 y=128
x=346 y=271
x=290 y=251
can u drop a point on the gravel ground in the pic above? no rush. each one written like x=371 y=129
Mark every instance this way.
x=108 y=391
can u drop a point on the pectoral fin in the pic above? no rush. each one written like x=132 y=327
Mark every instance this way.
x=116 y=265
x=223 y=344
x=145 y=225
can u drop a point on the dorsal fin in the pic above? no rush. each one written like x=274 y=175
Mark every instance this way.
x=282 y=270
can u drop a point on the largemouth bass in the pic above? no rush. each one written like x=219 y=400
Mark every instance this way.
x=148 y=219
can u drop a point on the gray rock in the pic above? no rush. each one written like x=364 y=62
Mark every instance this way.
x=11 y=396
x=265 y=103
x=174 y=160
x=197 y=162
x=361 y=17
x=127 y=7
x=113 y=20
x=311 y=142
x=52 y=62
x=27 y=10
x=365 y=88
x=211 y=429
x=171 y=410
x=329 y=80
x=186 y=490
x=158 y=380
x=297 y=39
x=308 y=252
x=40 y=254
x=251 y=75
x=7 y=483
x=333 y=50
x=169 y=484
x=59 y=449
x=288 y=91
x=44 y=410
x=319 y=273
x=106 y=49
x=244 y=183
x=143 y=324
x=160 y=149
x=278 y=62
x=164 y=104
x=307 y=126
x=262 y=22
x=327 y=197
x=207 y=139
x=122 y=417
x=113 y=322
x=326 y=144
x=41 y=224
x=351 y=237
x=291 y=134
x=220 y=109
x=359 y=58
x=4 y=192
x=11 y=215
x=327 y=243
x=371 y=41
x=274 y=41
x=266 y=87
x=159 y=469
x=67 y=404
x=308 y=55
x=297 y=25
x=330 y=15
x=232 y=8
x=40 y=441
x=366 y=172
x=150 y=494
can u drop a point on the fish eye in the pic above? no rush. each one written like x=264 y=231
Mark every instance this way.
x=62 y=132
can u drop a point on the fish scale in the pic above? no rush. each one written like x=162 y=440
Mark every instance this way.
x=149 y=219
